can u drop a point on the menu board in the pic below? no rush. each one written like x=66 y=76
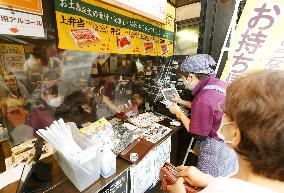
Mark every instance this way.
x=95 y=26
x=155 y=10
x=12 y=56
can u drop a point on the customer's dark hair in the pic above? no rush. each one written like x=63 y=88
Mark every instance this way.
x=256 y=103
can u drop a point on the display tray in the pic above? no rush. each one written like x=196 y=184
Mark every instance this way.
x=139 y=146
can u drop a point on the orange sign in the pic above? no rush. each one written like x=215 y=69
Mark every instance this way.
x=30 y=6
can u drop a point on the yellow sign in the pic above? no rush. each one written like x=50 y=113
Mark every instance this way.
x=30 y=6
x=96 y=126
x=258 y=42
x=12 y=56
x=90 y=25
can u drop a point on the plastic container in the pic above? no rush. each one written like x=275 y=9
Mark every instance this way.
x=108 y=162
x=86 y=170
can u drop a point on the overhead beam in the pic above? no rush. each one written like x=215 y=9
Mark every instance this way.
x=180 y=3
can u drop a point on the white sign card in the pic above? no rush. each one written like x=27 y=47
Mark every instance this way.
x=146 y=173
x=168 y=94
x=163 y=154
x=24 y=24
x=148 y=8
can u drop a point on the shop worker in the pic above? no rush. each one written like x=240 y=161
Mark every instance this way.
x=215 y=157
x=253 y=126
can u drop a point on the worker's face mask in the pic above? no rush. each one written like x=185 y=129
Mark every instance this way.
x=220 y=131
x=55 y=102
x=190 y=82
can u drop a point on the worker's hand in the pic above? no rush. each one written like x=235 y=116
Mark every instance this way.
x=176 y=99
x=174 y=108
x=178 y=187
x=194 y=176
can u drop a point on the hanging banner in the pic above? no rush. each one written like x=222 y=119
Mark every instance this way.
x=17 y=23
x=12 y=56
x=90 y=25
x=30 y=6
x=258 y=42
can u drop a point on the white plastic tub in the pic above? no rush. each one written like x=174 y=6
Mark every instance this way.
x=86 y=170
x=81 y=176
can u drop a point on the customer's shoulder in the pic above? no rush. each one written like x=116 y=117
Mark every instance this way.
x=232 y=185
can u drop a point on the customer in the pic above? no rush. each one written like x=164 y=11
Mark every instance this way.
x=215 y=158
x=253 y=125
x=103 y=105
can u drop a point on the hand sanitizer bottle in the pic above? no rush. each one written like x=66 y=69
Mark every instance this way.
x=108 y=161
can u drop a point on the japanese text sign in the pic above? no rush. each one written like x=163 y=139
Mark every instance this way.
x=91 y=25
x=16 y=23
x=12 y=56
x=258 y=42
x=118 y=185
x=30 y=6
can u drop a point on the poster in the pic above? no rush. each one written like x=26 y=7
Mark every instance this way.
x=12 y=56
x=90 y=25
x=163 y=154
x=30 y=6
x=142 y=174
x=258 y=42
x=147 y=172
x=24 y=24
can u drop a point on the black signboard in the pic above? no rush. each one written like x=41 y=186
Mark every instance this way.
x=118 y=185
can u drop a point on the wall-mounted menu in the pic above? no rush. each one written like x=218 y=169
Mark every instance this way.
x=12 y=56
x=91 y=25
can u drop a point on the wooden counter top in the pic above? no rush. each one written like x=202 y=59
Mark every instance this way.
x=61 y=184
